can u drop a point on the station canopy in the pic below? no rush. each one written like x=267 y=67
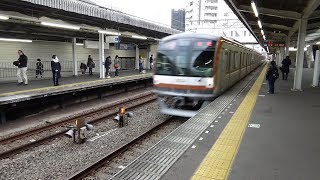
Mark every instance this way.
x=279 y=19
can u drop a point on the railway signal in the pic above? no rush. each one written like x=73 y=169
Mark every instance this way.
x=79 y=131
x=122 y=116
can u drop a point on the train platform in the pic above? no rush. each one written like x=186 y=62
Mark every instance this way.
x=11 y=93
x=245 y=134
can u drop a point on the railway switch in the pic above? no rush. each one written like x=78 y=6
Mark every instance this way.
x=122 y=117
x=79 y=131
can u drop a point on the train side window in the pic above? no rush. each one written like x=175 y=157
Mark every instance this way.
x=227 y=59
x=236 y=60
x=231 y=53
x=240 y=59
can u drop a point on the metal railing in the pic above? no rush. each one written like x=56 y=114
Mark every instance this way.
x=8 y=72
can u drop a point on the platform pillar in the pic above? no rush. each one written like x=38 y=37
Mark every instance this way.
x=300 y=55
x=74 y=57
x=287 y=46
x=101 y=55
x=316 y=70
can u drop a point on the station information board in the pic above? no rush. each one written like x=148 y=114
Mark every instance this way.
x=275 y=44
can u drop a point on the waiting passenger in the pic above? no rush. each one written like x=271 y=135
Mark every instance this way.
x=39 y=68
x=56 y=69
x=83 y=68
x=272 y=75
x=22 y=69
x=107 y=65
x=90 y=64
x=117 y=65
x=285 y=69
x=151 y=61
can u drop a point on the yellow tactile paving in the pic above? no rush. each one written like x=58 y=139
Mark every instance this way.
x=66 y=85
x=218 y=162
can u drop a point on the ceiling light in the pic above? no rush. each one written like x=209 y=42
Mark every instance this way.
x=254 y=7
x=259 y=23
x=262 y=32
x=264 y=37
x=60 y=25
x=109 y=32
x=139 y=37
x=15 y=40
x=308 y=45
x=318 y=42
x=79 y=44
x=4 y=17
x=268 y=49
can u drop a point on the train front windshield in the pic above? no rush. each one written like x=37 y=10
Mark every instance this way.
x=186 y=57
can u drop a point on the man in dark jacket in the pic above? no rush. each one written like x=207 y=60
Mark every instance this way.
x=151 y=61
x=285 y=68
x=272 y=76
x=90 y=64
x=22 y=69
x=56 y=70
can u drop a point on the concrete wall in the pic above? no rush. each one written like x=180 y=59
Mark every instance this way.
x=44 y=51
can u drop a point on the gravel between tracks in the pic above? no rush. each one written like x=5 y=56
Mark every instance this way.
x=61 y=158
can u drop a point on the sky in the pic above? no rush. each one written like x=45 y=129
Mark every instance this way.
x=153 y=10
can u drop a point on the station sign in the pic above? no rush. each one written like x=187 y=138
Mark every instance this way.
x=112 y=39
x=275 y=44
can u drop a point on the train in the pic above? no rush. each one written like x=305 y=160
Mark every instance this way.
x=193 y=69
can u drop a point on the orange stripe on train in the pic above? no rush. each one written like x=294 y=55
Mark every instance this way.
x=183 y=87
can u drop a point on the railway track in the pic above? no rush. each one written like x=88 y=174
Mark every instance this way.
x=95 y=116
x=109 y=157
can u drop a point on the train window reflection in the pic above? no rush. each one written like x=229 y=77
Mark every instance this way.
x=202 y=63
x=164 y=64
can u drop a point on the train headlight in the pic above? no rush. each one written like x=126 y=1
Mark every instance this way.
x=210 y=83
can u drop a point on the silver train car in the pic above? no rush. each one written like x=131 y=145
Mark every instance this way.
x=193 y=69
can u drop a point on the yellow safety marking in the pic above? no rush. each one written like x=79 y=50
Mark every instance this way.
x=67 y=85
x=218 y=162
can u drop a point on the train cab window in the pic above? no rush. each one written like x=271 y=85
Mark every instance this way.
x=202 y=63
x=164 y=64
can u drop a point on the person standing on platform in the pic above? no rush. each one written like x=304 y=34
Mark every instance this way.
x=117 y=65
x=272 y=75
x=22 y=69
x=56 y=69
x=39 y=68
x=107 y=66
x=285 y=69
x=90 y=64
x=151 y=61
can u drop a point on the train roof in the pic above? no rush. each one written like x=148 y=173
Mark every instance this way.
x=191 y=35
x=204 y=36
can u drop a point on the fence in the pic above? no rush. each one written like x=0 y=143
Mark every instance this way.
x=8 y=72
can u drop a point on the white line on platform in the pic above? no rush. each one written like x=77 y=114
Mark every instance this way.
x=261 y=95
